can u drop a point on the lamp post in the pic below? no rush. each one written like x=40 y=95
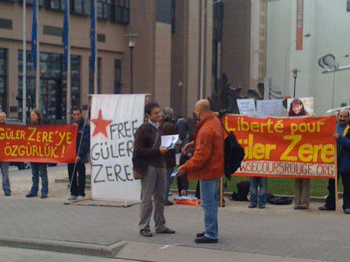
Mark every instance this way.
x=286 y=77
x=295 y=75
x=132 y=37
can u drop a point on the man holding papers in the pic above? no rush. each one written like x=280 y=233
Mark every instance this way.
x=148 y=147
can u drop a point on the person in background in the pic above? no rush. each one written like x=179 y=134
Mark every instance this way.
x=182 y=181
x=169 y=156
x=343 y=121
x=38 y=169
x=4 y=166
x=258 y=192
x=77 y=188
x=181 y=128
x=207 y=164
x=302 y=186
x=342 y=136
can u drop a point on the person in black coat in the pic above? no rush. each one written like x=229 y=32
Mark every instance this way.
x=77 y=188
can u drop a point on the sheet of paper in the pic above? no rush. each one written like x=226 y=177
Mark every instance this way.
x=174 y=173
x=246 y=106
x=169 y=141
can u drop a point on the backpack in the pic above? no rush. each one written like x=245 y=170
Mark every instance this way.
x=234 y=154
x=278 y=200
x=243 y=190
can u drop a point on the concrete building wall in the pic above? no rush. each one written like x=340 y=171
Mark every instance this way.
x=327 y=23
x=236 y=47
x=163 y=64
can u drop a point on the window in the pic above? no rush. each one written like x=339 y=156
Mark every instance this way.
x=56 y=4
x=173 y=19
x=104 y=9
x=3 y=76
x=81 y=7
x=117 y=76
x=121 y=11
x=53 y=81
x=30 y=2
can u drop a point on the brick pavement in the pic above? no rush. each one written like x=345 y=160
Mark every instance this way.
x=277 y=233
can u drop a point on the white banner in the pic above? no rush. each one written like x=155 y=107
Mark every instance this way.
x=114 y=121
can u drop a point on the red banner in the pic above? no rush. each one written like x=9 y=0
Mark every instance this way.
x=286 y=147
x=38 y=143
x=300 y=25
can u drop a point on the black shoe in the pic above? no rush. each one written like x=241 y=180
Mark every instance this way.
x=202 y=234
x=169 y=203
x=146 y=232
x=31 y=195
x=347 y=211
x=166 y=231
x=205 y=240
x=323 y=208
x=252 y=206
x=7 y=193
x=261 y=206
x=43 y=196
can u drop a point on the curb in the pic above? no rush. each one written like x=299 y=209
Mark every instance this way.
x=109 y=251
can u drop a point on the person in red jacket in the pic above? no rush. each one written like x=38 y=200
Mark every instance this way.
x=207 y=165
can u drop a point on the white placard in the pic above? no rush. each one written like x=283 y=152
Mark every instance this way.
x=114 y=121
x=308 y=104
x=169 y=141
x=246 y=106
x=271 y=107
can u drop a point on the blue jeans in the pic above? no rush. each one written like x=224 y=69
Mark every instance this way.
x=255 y=183
x=209 y=191
x=169 y=181
x=5 y=176
x=39 y=169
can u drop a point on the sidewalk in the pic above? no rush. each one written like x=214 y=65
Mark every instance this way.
x=277 y=233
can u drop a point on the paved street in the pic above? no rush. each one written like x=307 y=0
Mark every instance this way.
x=277 y=233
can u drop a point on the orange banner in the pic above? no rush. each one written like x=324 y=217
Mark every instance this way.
x=38 y=143
x=286 y=147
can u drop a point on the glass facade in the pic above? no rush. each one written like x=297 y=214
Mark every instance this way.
x=3 y=77
x=113 y=10
x=53 y=84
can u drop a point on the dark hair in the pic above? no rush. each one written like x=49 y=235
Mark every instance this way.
x=149 y=107
x=77 y=109
x=39 y=114
x=297 y=101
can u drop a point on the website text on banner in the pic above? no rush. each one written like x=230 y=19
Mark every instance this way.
x=39 y=143
x=301 y=147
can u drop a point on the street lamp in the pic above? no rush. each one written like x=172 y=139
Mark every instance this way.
x=286 y=65
x=132 y=37
x=295 y=74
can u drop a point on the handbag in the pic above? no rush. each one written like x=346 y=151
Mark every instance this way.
x=138 y=173
x=140 y=170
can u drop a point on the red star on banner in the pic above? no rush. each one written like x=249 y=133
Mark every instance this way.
x=101 y=124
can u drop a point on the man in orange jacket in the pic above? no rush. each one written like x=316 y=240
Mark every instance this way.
x=207 y=165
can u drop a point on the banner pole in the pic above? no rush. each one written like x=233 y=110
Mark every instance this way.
x=221 y=191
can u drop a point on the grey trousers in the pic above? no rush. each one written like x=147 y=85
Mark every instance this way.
x=302 y=192
x=153 y=187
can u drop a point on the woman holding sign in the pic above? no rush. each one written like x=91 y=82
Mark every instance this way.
x=38 y=169
x=302 y=186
